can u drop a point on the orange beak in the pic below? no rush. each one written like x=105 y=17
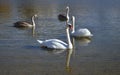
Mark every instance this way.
x=71 y=27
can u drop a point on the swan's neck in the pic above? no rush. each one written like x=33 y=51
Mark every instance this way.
x=68 y=39
x=67 y=30
x=33 y=22
x=67 y=14
x=73 y=23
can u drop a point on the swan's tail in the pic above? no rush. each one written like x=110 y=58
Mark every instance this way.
x=40 y=41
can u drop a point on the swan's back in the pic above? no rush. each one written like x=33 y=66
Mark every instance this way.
x=84 y=32
x=53 y=44
x=62 y=17
x=22 y=24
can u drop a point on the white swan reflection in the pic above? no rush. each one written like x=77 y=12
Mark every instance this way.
x=56 y=52
x=83 y=41
x=68 y=57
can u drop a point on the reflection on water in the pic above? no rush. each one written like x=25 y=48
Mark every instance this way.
x=82 y=41
x=68 y=57
x=20 y=53
x=56 y=52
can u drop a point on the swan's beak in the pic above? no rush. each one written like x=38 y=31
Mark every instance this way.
x=70 y=26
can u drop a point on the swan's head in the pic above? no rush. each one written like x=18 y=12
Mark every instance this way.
x=35 y=15
x=70 y=26
x=67 y=8
x=73 y=18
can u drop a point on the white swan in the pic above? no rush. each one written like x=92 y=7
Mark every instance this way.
x=82 y=32
x=56 y=43
x=23 y=24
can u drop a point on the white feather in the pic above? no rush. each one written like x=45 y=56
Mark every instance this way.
x=56 y=43
x=53 y=44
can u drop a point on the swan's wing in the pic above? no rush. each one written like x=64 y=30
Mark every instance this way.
x=22 y=24
x=40 y=41
x=62 y=17
x=54 y=44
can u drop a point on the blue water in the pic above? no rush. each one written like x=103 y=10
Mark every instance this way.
x=20 y=53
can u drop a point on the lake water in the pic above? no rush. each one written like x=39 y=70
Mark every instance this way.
x=20 y=53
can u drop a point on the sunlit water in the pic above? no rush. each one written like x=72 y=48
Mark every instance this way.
x=20 y=53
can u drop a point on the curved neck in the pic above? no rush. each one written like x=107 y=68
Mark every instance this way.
x=33 y=22
x=68 y=39
x=73 y=23
x=67 y=14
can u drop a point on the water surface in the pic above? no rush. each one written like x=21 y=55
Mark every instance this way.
x=20 y=53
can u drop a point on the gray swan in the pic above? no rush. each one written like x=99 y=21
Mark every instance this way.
x=23 y=24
